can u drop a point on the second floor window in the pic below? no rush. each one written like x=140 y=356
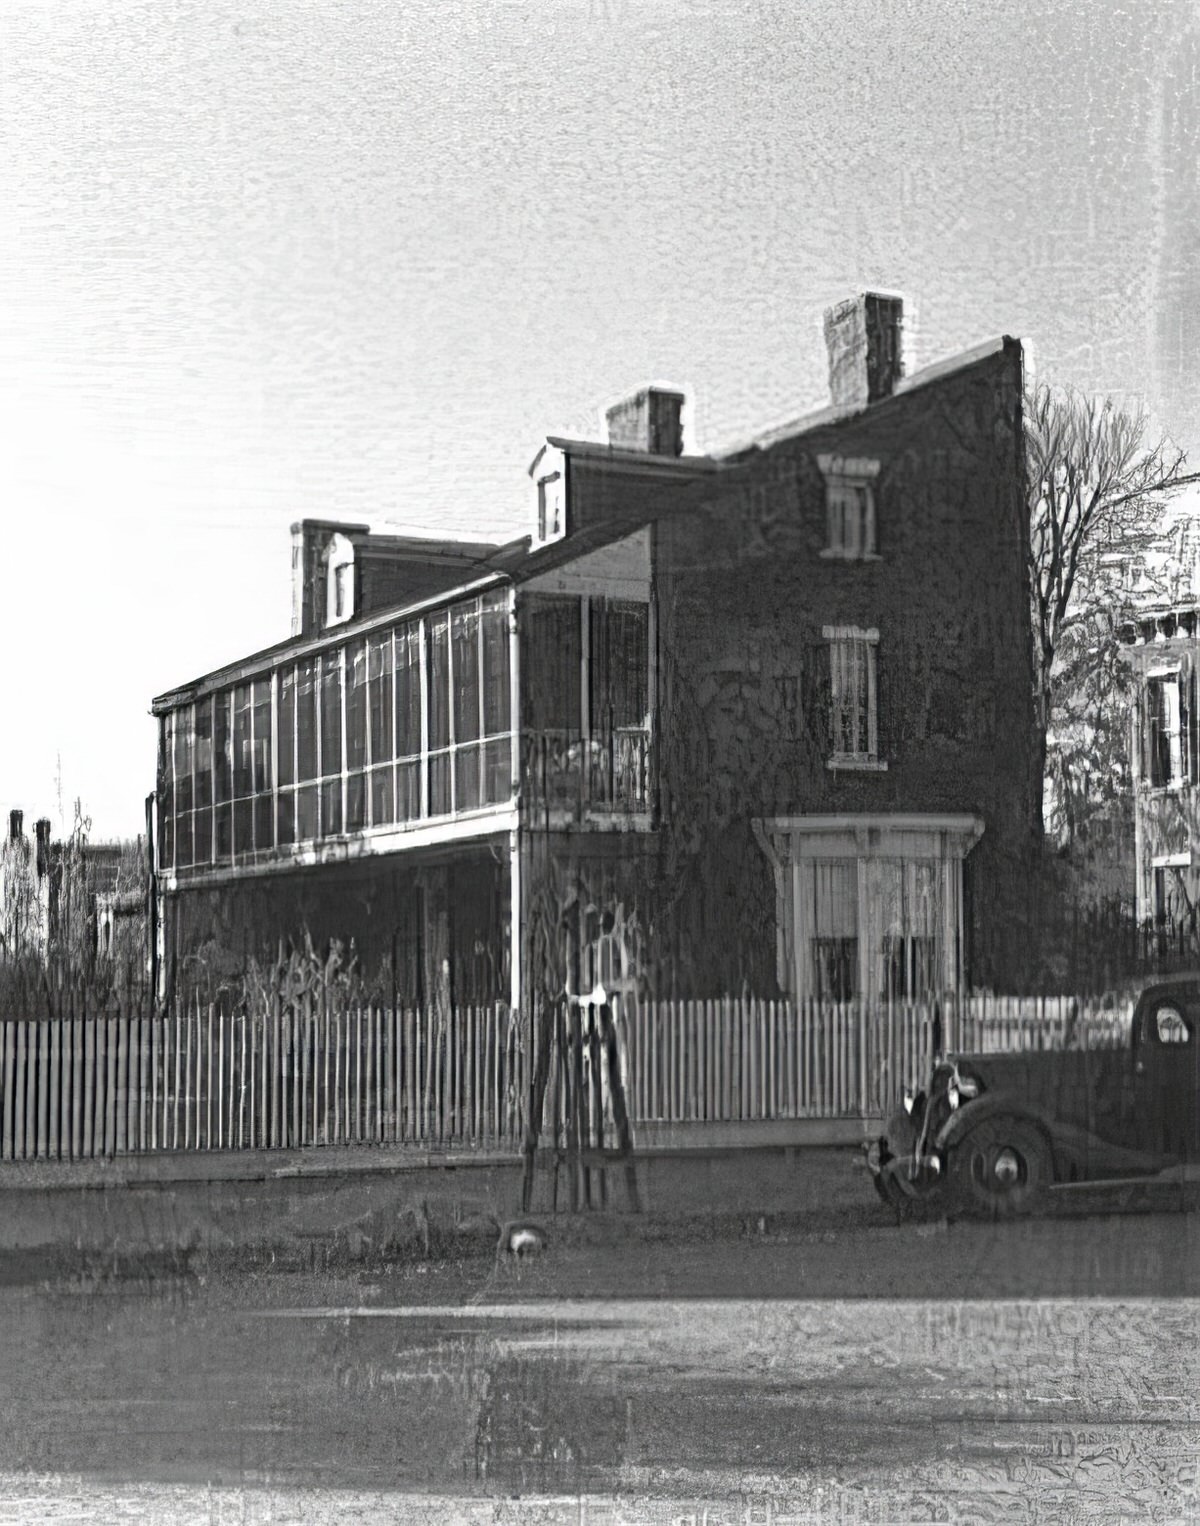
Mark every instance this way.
x=854 y=730
x=1166 y=738
x=849 y=507
x=588 y=697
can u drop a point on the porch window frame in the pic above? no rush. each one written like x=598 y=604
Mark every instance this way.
x=335 y=657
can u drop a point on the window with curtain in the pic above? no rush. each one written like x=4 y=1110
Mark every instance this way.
x=833 y=888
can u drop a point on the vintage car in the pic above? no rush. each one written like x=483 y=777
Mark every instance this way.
x=999 y=1133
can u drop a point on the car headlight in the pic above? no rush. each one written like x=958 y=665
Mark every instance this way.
x=962 y=1088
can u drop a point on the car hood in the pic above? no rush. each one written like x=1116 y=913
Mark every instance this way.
x=1043 y=1073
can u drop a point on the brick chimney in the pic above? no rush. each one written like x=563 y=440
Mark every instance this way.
x=42 y=832
x=650 y=420
x=866 y=354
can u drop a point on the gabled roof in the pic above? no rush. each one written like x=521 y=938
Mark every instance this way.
x=493 y=564
x=821 y=418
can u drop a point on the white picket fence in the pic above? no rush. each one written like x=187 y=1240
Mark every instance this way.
x=746 y=1060
x=300 y=1075
x=291 y=1076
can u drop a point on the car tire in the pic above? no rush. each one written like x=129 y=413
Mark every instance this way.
x=1001 y=1168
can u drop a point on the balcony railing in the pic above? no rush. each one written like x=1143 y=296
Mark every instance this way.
x=563 y=771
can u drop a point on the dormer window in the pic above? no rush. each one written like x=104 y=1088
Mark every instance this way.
x=339 y=596
x=849 y=507
x=548 y=472
x=550 y=506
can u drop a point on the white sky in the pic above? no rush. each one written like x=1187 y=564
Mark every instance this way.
x=260 y=261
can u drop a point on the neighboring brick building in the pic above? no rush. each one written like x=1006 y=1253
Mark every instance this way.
x=719 y=722
x=1163 y=648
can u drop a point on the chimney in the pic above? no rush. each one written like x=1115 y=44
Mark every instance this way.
x=650 y=420
x=42 y=832
x=16 y=821
x=866 y=354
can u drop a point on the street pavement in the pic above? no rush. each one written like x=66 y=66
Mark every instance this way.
x=1047 y=1370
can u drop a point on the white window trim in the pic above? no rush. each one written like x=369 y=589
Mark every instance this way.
x=339 y=554
x=857 y=473
x=791 y=843
x=868 y=761
x=1171 y=672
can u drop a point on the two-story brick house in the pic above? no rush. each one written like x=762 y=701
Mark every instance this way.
x=759 y=719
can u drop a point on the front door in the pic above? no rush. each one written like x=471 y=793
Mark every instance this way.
x=1166 y=1077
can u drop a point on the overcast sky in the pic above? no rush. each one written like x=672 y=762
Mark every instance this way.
x=355 y=257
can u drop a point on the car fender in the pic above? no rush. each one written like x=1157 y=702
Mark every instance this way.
x=991 y=1105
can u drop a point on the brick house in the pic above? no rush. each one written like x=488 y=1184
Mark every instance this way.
x=752 y=720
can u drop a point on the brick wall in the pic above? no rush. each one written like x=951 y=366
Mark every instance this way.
x=743 y=596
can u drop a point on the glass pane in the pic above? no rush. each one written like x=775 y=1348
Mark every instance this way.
x=204 y=753
x=466 y=779
x=166 y=771
x=356 y=801
x=264 y=822
x=223 y=820
x=202 y=845
x=331 y=808
x=408 y=791
x=356 y=706
x=241 y=749
x=243 y=828
x=465 y=625
x=222 y=778
x=287 y=726
x=261 y=769
x=379 y=664
x=497 y=771
x=439 y=682
x=552 y=657
x=496 y=716
x=306 y=720
x=285 y=818
x=183 y=759
x=306 y=813
x=439 y=785
x=165 y=723
x=624 y=637
x=166 y=842
x=835 y=899
x=383 y=803
x=331 y=719
x=183 y=841
x=408 y=691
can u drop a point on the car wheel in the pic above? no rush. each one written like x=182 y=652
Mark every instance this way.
x=1001 y=1168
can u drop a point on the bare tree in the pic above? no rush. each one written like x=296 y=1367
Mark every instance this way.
x=1097 y=481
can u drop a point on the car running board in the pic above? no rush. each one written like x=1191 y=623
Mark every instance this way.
x=1177 y=1176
